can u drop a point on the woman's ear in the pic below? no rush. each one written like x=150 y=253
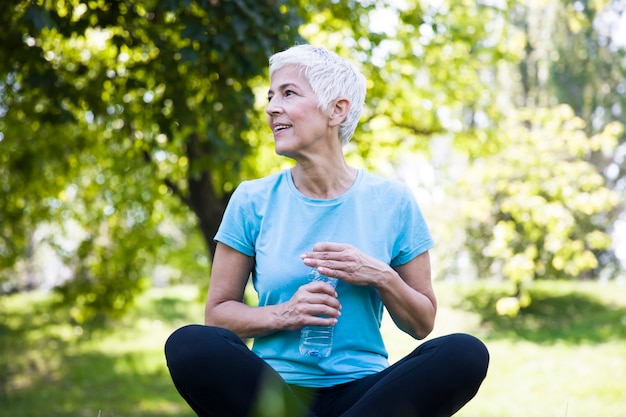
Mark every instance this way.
x=339 y=111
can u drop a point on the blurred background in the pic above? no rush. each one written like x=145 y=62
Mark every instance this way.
x=126 y=125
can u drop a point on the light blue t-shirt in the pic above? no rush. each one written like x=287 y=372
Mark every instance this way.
x=270 y=220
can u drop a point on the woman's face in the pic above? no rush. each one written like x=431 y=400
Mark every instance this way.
x=297 y=122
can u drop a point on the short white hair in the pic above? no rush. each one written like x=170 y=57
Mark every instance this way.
x=330 y=77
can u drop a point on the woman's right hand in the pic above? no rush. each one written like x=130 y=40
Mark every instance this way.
x=225 y=307
x=314 y=304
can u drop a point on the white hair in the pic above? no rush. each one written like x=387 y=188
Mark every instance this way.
x=330 y=77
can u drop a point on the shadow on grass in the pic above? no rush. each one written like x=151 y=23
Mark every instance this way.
x=93 y=385
x=557 y=314
x=52 y=367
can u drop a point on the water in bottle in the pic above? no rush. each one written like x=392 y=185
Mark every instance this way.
x=317 y=341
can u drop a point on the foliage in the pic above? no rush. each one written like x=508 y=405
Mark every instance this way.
x=582 y=66
x=125 y=126
x=125 y=104
x=536 y=206
x=541 y=205
x=429 y=70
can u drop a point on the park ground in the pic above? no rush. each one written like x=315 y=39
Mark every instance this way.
x=564 y=356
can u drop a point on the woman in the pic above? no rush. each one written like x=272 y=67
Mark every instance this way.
x=366 y=231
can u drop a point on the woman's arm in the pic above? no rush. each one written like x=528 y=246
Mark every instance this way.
x=406 y=291
x=225 y=307
x=409 y=296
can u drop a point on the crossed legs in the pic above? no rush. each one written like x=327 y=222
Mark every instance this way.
x=218 y=376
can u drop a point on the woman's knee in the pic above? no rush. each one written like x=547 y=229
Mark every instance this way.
x=468 y=353
x=193 y=342
x=180 y=345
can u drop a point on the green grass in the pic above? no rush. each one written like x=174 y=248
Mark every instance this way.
x=51 y=367
x=564 y=356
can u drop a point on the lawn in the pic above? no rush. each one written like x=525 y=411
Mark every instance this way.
x=565 y=356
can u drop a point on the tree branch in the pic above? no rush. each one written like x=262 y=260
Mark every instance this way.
x=410 y=127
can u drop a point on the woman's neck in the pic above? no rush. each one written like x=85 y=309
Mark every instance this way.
x=323 y=182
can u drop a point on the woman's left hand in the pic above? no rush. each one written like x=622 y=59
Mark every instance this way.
x=349 y=264
x=406 y=290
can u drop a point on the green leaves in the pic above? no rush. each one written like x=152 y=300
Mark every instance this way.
x=120 y=119
x=545 y=216
x=125 y=126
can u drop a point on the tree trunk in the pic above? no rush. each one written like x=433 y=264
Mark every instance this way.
x=203 y=200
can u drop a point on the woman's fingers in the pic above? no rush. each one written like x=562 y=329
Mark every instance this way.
x=315 y=304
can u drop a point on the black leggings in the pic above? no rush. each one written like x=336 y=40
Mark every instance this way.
x=218 y=376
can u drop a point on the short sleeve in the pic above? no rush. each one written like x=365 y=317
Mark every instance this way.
x=237 y=227
x=414 y=237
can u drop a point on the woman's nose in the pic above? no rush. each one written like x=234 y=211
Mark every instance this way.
x=273 y=107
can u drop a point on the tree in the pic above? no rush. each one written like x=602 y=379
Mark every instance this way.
x=582 y=66
x=538 y=207
x=544 y=207
x=109 y=108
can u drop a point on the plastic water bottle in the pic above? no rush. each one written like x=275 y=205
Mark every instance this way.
x=317 y=341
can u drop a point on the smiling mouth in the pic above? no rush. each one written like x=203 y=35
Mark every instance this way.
x=280 y=128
